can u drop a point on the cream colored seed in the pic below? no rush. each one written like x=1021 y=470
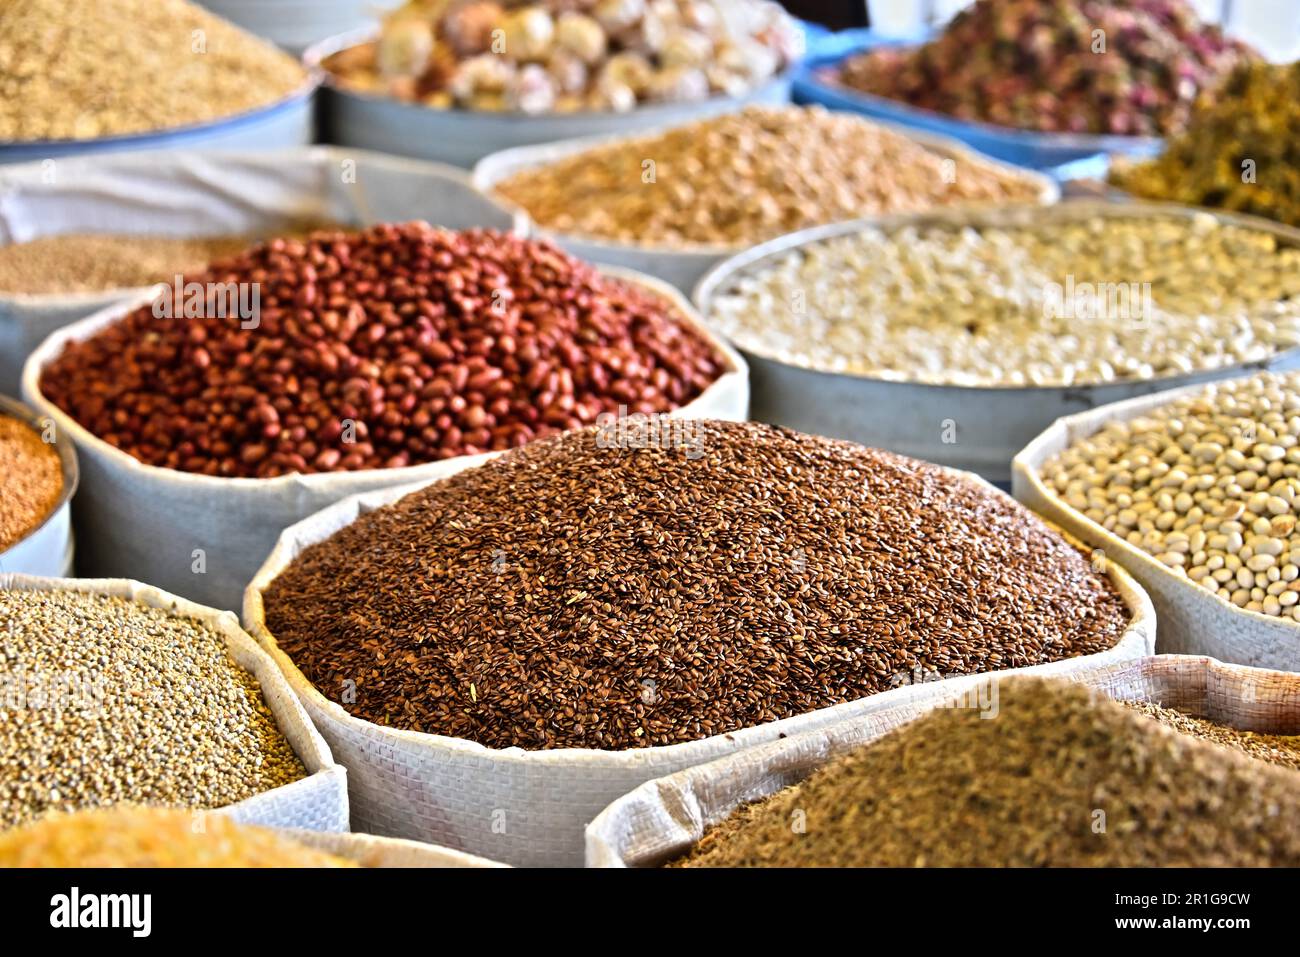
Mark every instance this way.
x=1222 y=493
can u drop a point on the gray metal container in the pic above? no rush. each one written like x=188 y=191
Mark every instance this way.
x=990 y=425
x=463 y=137
x=47 y=550
x=288 y=122
x=682 y=266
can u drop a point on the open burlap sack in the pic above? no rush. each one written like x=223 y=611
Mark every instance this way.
x=318 y=802
x=663 y=818
x=369 y=850
x=528 y=808
x=188 y=193
x=1193 y=621
x=205 y=537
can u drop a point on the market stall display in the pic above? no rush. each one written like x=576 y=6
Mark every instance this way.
x=694 y=588
x=371 y=359
x=993 y=769
x=1192 y=490
x=458 y=80
x=676 y=201
x=958 y=336
x=131 y=74
x=157 y=701
x=38 y=476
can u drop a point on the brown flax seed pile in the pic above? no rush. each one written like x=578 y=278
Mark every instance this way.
x=595 y=591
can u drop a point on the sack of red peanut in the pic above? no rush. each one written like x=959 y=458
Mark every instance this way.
x=306 y=370
x=79 y=235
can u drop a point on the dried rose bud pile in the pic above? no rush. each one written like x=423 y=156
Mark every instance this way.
x=1040 y=65
x=565 y=56
x=630 y=587
x=397 y=345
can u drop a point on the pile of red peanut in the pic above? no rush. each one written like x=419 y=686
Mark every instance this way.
x=393 y=346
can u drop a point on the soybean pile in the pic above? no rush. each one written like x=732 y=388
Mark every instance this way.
x=655 y=581
x=1057 y=777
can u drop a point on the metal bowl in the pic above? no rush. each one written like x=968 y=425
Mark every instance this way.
x=463 y=137
x=287 y=122
x=47 y=549
x=989 y=425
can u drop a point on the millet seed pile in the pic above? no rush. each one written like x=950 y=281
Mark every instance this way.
x=107 y=701
x=1080 y=301
x=1059 y=777
x=1279 y=749
x=152 y=837
x=78 y=71
x=1208 y=484
x=745 y=177
x=31 y=480
x=664 y=582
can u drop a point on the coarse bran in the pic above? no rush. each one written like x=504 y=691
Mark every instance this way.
x=621 y=588
x=1058 y=777
x=152 y=837
x=1280 y=749
x=108 y=701
x=31 y=480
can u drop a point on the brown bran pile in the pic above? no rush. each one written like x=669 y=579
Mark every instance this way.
x=1059 y=777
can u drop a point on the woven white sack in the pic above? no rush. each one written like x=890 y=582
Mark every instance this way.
x=370 y=850
x=1192 y=620
x=661 y=819
x=140 y=521
x=528 y=808
x=188 y=193
x=318 y=802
